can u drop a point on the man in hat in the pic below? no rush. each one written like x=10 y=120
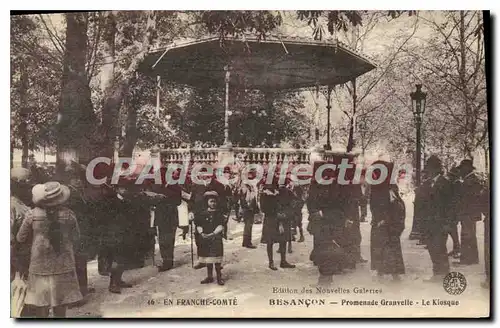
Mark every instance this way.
x=167 y=220
x=37 y=173
x=469 y=211
x=234 y=200
x=248 y=203
x=437 y=223
x=127 y=236
x=85 y=248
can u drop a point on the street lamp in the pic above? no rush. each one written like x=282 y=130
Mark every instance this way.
x=418 y=99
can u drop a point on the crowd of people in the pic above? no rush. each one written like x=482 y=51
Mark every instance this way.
x=443 y=202
x=56 y=228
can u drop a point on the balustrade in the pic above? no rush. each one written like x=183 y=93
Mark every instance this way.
x=246 y=155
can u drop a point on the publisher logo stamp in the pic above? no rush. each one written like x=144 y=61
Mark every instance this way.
x=454 y=283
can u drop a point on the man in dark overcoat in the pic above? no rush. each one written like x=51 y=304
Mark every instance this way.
x=437 y=223
x=469 y=212
x=86 y=248
x=167 y=220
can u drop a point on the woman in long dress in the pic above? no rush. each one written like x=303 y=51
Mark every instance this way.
x=388 y=214
x=52 y=280
x=327 y=224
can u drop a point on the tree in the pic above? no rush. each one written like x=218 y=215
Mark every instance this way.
x=454 y=68
x=261 y=22
x=24 y=27
x=256 y=118
x=121 y=40
x=76 y=121
x=35 y=76
x=365 y=98
x=142 y=126
x=110 y=108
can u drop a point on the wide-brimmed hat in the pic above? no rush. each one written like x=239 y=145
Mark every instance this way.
x=49 y=194
x=211 y=194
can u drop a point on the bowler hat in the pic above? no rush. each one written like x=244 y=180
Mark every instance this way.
x=434 y=162
x=468 y=163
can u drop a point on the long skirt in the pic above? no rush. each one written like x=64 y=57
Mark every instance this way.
x=386 y=254
x=210 y=250
x=53 y=290
x=351 y=244
x=328 y=253
x=271 y=231
x=469 y=253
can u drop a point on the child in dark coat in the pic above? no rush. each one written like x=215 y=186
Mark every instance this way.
x=275 y=202
x=210 y=227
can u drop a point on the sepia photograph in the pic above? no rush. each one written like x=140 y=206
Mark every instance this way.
x=250 y=164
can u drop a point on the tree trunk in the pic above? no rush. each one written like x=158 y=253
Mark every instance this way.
x=76 y=121
x=12 y=148
x=112 y=101
x=116 y=92
x=469 y=124
x=24 y=112
x=131 y=133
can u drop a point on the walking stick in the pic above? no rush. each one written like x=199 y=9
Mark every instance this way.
x=151 y=228
x=154 y=248
x=192 y=253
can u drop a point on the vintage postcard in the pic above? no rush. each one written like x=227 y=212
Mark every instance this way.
x=250 y=164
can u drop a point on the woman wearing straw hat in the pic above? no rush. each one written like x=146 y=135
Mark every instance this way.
x=52 y=280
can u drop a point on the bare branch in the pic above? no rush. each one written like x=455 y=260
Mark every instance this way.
x=389 y=64
x=55 y=41
x=58 y=38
